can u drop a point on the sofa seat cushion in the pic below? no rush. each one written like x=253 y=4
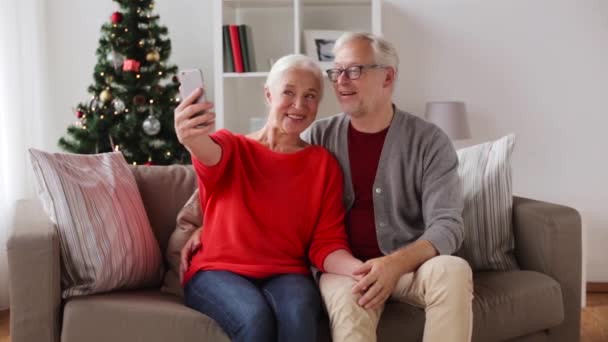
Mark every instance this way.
x=514 y=303
x=507 y=305
x=132 y=316
x=401 y=322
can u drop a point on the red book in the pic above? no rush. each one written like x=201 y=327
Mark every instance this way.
x=236 y=48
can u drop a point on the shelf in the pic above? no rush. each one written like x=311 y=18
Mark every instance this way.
x=289 y=3
x=245 y=74
x=258 y=3
x=335 y=3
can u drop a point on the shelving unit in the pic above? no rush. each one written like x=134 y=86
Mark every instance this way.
x=277 y=29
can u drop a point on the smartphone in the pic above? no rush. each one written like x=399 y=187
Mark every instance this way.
x=190 y=80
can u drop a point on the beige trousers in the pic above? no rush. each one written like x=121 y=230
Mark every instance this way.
x=443 y=286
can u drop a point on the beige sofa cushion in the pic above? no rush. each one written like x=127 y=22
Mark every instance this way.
x=506 y=305
x=510 y=304
x=485 y=170
x=149 y=316
x=104 y=233
x=164 y=191
x=189 y=219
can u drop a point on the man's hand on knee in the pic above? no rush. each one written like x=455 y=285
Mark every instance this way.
x=380 y=275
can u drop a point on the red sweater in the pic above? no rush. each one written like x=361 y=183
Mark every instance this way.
x=268 y=213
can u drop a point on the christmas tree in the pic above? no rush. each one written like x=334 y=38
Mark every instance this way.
x=134 y=93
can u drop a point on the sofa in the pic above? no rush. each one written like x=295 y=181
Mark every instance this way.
x=539 y=302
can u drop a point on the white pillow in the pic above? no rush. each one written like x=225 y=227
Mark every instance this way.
x=106 y=239
x=485 y=170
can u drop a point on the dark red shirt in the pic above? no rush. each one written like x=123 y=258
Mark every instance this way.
x=364 y=151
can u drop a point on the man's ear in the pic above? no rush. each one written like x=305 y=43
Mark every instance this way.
x=267 y=95
x=389 y=79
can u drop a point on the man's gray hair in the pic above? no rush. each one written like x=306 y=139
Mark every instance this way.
x=384 y=52
x=294 y=61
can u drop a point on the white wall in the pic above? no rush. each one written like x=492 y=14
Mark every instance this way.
x=536 y=68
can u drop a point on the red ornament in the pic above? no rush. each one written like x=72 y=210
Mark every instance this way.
x=116 y=17
x=130 y=65
x=79 y=114
x=148 y=163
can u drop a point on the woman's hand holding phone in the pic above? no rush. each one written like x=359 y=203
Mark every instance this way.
x=193 y=128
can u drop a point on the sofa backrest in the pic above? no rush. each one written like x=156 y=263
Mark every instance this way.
x=164 y=191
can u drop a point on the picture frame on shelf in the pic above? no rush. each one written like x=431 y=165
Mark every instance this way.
x=319 y=45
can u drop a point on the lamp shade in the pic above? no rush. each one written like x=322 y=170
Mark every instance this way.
x=451 y=117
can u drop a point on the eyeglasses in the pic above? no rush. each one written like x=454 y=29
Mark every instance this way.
x=353 y=72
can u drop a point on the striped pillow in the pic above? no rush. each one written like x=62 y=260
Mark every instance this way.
x=485 y=170
x=104 y=233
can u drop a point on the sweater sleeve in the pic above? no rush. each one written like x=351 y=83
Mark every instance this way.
x=210 y=176
x=329 y=234
x=442 y=198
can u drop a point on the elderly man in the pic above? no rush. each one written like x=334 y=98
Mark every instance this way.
x=403 y=199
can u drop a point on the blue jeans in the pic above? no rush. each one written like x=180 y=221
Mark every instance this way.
x=282 y=308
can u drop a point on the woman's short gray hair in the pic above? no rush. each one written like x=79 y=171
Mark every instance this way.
x=294 y=61
x=384 y=52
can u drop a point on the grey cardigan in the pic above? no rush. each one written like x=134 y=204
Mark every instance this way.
x=417 y=192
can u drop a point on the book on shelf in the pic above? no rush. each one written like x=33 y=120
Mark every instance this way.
x=227 y=48
x=237 y=48
x=250 y=50
x=244 y=48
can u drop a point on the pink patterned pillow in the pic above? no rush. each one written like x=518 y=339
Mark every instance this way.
x=106 y=239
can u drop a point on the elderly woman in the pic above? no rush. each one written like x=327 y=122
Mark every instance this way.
x=272 y=205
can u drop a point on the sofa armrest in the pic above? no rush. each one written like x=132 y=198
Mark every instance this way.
x=34 y=275
x=548 y=240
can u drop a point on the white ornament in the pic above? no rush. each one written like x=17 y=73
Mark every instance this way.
x=119 y=105
x=116 y=59
x=151 y=125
